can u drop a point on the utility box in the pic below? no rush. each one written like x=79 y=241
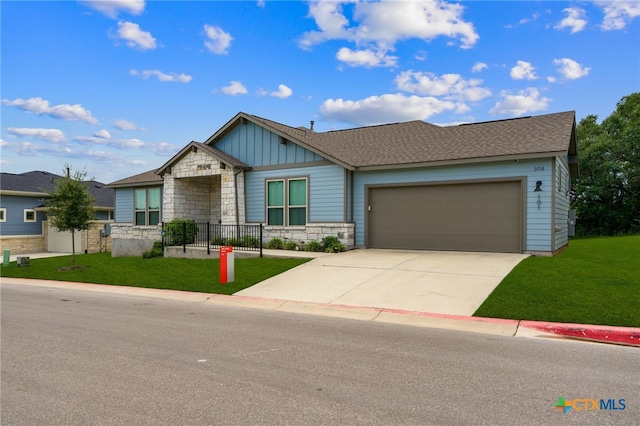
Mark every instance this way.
x=23 y=262
x=227 y=269
x=572 y=223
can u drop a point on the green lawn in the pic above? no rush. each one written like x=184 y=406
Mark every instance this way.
x=594 y=281
x=165 y=273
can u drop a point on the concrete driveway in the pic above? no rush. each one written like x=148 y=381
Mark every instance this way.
x=427 y=281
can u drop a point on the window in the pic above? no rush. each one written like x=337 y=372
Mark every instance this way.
x=287 y=202
x=3 y=214
x=147 y=206
x=29 y=215
x=275 y=202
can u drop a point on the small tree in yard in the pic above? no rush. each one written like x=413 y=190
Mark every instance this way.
x=71 y=207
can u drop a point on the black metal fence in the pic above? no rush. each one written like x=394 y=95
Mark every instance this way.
x=212 y=236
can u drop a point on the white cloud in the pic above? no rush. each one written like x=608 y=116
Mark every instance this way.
x=234 y=88
x=331 y=22
x=115 y=143
x=523 y=71
x=379 y=25
x=551 y=79
x=574 y=20
x=421 y=55
x=450 y=86
x=163 y=148
x=111 y=8
x=533 y=17
x=479 y=66
x=218 y=41
x=162 y=77
x=570 y=69
x=282 y=92
x=523 y=102
x=40 y=106
x=104 y=134
x=126 y=125
x=383 y=109
x=52 y=135
x=135 y=37
x=261 y=3
x=618 y=13
x=366 y=58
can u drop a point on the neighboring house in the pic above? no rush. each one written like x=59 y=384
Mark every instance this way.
x=500 y=186
x=23 y=220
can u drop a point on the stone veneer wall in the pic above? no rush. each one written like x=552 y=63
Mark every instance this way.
x=128 y=239
x=23 y=244
x=197 y=187
x=312 y=231
x=94 y=238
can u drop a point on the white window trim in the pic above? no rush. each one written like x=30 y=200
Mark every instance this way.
x=286 y=205
x=35 y=218
x=147 y=210
x=4 y=214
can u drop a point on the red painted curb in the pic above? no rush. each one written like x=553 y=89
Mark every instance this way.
x=598 y=333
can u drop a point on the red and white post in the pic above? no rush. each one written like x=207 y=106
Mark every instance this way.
x=227 y=273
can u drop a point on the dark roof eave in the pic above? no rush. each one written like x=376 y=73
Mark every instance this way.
x=129 y=185
x=511 y=157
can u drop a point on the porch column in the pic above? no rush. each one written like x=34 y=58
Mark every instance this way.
x=232 y=197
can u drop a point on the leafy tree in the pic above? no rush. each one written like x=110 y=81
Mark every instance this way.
x=71 y=207
x=607 y=193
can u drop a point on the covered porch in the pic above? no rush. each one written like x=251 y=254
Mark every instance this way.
x=204 y=184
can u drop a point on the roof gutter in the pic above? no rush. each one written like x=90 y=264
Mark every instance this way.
x=513 y=157
x=23 y=193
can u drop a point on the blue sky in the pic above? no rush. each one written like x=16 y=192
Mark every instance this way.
x=118 y=87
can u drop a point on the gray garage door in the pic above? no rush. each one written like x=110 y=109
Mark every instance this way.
x=483 y=216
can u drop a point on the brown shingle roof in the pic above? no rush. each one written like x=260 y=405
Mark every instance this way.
x=146 y=178
x=418 y=142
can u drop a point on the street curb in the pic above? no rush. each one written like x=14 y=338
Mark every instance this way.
x=596 y=333
x=506 y=327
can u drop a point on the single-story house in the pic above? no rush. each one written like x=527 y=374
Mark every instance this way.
x=498 y=186
x=24 y=227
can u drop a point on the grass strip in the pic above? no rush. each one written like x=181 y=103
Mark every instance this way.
x=163 y=273
x=594 y=281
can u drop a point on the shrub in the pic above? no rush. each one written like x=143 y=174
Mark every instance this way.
x=275 y=243
x=218 y=241
x=234 y=242
x=156 y=251
x=291 y=245
x=313 y=246
x=331 y=244
x=180 y=231
x=252 y=242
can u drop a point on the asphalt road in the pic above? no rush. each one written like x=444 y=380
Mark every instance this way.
x=75 y=357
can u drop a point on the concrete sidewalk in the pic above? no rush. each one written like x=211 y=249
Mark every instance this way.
x=14 y=257
x=454 y=283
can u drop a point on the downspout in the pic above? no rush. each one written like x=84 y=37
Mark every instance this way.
x=235 y=184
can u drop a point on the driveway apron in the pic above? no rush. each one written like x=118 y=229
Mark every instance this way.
x=453 y=283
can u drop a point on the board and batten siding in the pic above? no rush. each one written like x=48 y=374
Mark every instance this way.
x=538 y=217
x=562 y=184
x=257 y=147
x=326 y=192
x=124 y=205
